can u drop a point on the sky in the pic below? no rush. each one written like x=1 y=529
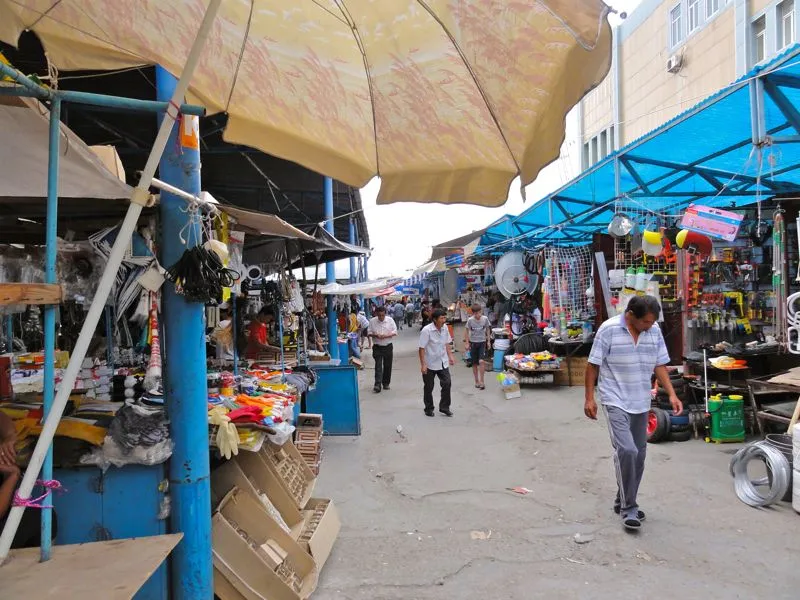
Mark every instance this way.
x=402 y=234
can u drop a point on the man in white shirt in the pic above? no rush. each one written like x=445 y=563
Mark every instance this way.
x=382 y=329
x=363 y=330
x=435 y=358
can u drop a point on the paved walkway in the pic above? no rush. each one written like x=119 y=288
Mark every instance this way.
x=426 y=513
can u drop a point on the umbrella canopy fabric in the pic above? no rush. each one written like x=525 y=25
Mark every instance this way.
x=317 y=248
x=446 y=100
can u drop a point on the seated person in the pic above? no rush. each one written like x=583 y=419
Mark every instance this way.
x=257 y=338
x=29 y=531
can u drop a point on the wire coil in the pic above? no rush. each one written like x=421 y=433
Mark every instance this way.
x=778 y=466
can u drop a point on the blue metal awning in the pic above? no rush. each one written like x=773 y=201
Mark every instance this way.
x=705 y=155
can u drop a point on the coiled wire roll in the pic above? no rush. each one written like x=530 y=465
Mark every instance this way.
x=777 y=464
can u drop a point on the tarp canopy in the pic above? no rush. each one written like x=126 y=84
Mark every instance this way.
x=379 y=287
x=320 y=247
x=704 y=155
x=263 y=224
x=445 y=248
x=24 y=151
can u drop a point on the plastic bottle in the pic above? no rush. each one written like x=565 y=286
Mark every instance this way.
x=630 y=278
x=641 y=279
x=587 y=331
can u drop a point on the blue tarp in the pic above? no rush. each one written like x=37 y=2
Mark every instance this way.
x=704 y=155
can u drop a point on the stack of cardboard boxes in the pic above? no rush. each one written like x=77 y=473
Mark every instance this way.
x=270 y=537
x=308 y=439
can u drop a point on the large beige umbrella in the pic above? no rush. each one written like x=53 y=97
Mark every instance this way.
x=446 y=100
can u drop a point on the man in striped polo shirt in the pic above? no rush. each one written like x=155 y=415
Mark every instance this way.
x=627 y=350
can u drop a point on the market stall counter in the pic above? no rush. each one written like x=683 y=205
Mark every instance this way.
x=336 y=398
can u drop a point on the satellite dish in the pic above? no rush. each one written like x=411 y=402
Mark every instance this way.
x=448 y=291
x=511 y=276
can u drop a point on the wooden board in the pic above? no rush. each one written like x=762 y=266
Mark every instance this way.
x=29 y=293
x=113 y=570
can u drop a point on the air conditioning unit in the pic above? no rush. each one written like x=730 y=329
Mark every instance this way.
x=674 y=63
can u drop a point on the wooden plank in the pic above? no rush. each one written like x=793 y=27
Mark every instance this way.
x=29 y=293
x=113 y=570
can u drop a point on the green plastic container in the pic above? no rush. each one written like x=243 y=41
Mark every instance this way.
x=727 y=418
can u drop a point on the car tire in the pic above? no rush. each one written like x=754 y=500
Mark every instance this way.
x=680 y=436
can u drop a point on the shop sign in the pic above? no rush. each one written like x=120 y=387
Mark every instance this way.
x=454 y=259
x=714 y=222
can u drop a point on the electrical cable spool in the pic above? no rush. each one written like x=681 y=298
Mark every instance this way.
x=777 y=465
x=512 y=277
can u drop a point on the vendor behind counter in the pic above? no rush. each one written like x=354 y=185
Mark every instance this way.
x=29 y=531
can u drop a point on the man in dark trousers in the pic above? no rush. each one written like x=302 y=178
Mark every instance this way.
x=627 y=350
x=382 y=329
x=435 y=359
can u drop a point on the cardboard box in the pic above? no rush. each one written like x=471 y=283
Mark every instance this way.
x=576 y=373
x=290 y=467
x=321 y=526
x=315 y=526
x=512 y=391
x=239 y=528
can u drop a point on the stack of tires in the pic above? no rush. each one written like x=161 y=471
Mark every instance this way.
x=664 y=425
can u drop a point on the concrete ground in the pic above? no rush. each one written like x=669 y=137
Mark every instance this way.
x=426 y=513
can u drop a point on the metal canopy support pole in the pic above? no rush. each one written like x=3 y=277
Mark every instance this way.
x=184 y=373
x=366 y=278
x=51 y=247
x=757 y=122
x=330 y=272
x=139 y=199
x=352 y=240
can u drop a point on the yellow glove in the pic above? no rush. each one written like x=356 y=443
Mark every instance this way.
x=227 y=439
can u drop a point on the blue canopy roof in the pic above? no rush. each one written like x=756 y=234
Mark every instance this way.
x=705 y=155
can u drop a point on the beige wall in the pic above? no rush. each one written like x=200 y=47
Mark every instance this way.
x=650 y=94
x=598 y=109
x=756 y=6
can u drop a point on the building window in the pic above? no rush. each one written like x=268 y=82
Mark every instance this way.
x=611 y=147
x=675 y=26
x=593 y=153
x=603 y=144
x=712 y=6
x=785 y=32
x=586 y=163
x=693 y=10
x=759 y=39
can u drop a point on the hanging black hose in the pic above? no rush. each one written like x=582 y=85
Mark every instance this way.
x=200 y=276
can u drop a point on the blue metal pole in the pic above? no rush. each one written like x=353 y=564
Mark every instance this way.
x=366 y=278
x=51 y=247
x=330 y=272
x=28 y=87
x=185 y=378
x=352 y=258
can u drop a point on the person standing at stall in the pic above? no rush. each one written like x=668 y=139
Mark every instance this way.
x=382 y=329
x=627 y=350
x=257 y=338
x=435 y=359
x=363 y=329
x=476 y=337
